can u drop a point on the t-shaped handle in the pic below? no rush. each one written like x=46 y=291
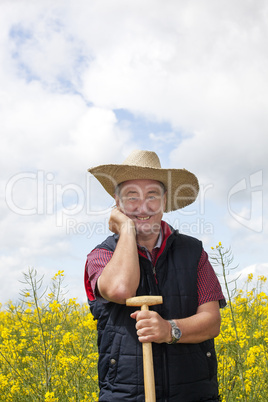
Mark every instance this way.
x=148 y=365
x=144 y=301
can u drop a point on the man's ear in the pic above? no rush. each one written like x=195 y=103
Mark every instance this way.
x=117 y=200
x=165 y=200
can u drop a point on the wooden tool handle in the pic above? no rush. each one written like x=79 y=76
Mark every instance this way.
x=148 y=369
x=148 y=372
x=148 y=364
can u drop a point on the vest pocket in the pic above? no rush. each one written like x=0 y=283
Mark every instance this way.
x=210 y=354
x=114 y=357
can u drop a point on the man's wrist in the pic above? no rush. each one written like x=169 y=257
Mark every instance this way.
x=128 y=227
x=175 y=333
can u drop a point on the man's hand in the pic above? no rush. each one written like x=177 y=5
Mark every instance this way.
x=203 y=325
x=119 y=221
x=151 y=327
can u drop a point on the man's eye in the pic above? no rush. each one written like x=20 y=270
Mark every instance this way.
x=133 y=198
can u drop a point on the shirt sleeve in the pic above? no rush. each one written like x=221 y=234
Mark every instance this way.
x=96 y=262
x=208 y=286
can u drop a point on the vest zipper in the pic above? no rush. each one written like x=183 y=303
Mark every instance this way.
x=154 y=272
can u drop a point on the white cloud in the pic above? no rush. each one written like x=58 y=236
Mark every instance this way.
x=165 y=138
x=240 y=279
x=205 y=72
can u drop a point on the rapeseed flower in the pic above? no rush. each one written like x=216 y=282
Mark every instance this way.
x=48 y=348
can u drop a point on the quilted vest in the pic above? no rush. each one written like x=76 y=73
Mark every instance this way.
x=183 y=372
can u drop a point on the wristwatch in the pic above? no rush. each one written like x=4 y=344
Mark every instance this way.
x=175 y=332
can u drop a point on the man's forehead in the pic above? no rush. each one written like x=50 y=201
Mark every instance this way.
x=141 y=184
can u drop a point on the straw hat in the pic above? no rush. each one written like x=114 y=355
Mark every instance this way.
x=181 y=185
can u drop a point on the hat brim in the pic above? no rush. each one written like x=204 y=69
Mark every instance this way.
x=181 y=185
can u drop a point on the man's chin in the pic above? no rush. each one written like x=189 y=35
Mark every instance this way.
x=147 y=228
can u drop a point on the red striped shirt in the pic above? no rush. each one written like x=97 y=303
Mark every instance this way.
x=208 y=286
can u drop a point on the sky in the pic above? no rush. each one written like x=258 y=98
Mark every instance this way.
x=84 y=83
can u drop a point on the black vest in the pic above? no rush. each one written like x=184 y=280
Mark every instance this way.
x=183 y=372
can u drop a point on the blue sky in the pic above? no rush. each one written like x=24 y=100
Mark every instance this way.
x=84 y=83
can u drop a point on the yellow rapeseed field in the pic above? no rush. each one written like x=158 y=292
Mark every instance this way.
x=48 y=345
x=242 y=347
x=47 y=348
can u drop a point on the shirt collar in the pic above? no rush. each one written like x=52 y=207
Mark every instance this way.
x=158 y=243
x=159 y=240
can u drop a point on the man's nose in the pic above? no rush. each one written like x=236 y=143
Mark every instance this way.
x=143 y=206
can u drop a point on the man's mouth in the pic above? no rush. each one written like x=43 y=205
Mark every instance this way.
x=143 y=218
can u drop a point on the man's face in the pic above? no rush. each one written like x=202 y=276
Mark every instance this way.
x=144 y=202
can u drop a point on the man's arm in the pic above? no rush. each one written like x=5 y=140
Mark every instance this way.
x=203 y=325
x=120 y=277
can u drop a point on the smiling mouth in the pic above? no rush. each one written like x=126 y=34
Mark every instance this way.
x=143 y=218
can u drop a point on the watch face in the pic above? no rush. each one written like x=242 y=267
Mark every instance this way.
x=176 y=333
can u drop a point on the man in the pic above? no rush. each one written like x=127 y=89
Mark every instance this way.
x=147 y=256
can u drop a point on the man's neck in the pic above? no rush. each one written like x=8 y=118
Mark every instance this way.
x=148 y=241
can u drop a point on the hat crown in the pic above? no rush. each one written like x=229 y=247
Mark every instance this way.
x=143 y=159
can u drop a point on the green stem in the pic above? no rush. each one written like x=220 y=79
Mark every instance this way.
x=233 y=322
x=45 y=356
